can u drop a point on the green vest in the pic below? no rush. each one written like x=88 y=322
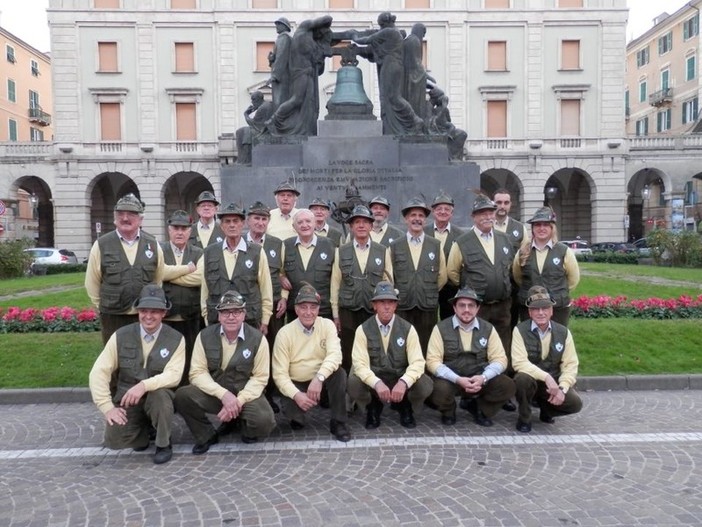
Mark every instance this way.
x=273 y=247
x=552 y=276
x=121 y=282
x=317 y=274
x=515 y=233
x=391 y=234
x=418 y=287
x=130 y=368
x=237 y=372
x=491 y=282
x=217 y=236
x=244 y=279
x=452 y=236
x=357 y=287
x=465 y=363
x=185 y=300
x=552 y=363
x=391 y=363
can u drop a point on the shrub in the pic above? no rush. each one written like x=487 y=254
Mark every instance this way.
x=66 y=268
x=679 y=249
x=615 y=258
x=49 y=320
x=653 y=308
x=14 y=262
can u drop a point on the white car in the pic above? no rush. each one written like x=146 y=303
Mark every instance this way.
x=579 y=247
x=51 y=256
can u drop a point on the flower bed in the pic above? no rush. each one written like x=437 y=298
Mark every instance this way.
x=49 y=320
x=621 y=307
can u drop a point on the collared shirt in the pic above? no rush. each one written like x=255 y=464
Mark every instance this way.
x=307 y=331
x=445 y=229
x=466 y=328
x=250 y=239
x=311 y=243
x=323 y=230
x=360 y=247
x=240 y=336
x=177 y=252
x=536 y=329
x=385 y=329
x=241 y=246
x=415 y=240
x=149 y=337
x=127 y=242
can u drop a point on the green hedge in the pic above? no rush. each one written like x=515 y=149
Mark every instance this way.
x=58 y=269
x=609 y=257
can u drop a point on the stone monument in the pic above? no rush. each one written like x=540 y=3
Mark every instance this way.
x=350 y=144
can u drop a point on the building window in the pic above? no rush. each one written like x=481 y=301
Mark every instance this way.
x=108 y=57
x=642 y=57
x=642 y=126
x=263 y=49
x=627 y=104
x=12 y=130
x=183 y=4
x=690 y=67
x=417 y=4
x=689 y=111
x=496 y=4
x=11 y=91
x=570 y=117
x=33 y=99
x=110 y=121
x=691 y=27
x=665 y=43
x=184 y=57
x=497 y=56
x=643 y=92
x=570 y=54
x=340 y=4
x=35 y=134
x=497 y=119
x=663 y=120
x=264 y=4
x=10 y=54
x=665 y=79
x=107 y=4
x=186 y=121
x=570 y=3
x=34 y=68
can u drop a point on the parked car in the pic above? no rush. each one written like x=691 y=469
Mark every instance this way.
x=642 y=246
x=614 y=247
x=51 y=256
x=579 y=247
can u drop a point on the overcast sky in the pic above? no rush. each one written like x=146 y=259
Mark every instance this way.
x=27 y=18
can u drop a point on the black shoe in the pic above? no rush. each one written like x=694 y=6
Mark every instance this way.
x=545 y=418
x=523 y=427
x=509 y=406
x=448 y=419
x=229 y=427
x=407 y=417
x=372 y=416
x=339 y=430
x=296 y=425
x=141 y=448
x=249 y=440
x=201 y=448
x=467 y=404
x=482 y=420
x=163 y=454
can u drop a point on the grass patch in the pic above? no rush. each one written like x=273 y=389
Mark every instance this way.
x=76 y=298
x=667 y=273
x=26 y=361
x=642 y=347
x=39 y=283
x=600 y=285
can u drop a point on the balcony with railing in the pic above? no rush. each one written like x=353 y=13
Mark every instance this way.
x=37 y=115
x=661 y=97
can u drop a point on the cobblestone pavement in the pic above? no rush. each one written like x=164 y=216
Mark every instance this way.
x=629 y=459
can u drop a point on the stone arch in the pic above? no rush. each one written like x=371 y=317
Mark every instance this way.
x=104 y=191
x=37 y=223
x=569 y=191
x=493 y=179
x=181 y=190
x=648 y=200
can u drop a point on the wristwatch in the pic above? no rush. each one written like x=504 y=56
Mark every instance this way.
x=320 y=377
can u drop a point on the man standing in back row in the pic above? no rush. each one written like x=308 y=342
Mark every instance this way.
x=206 y=230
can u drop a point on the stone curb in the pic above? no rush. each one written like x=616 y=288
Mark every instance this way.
x=607 y=383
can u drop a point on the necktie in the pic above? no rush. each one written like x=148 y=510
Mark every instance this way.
x=385 y=330
x=206 y=227
x=148 y=338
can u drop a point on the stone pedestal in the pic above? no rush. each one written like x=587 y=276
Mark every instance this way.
x=396 y=167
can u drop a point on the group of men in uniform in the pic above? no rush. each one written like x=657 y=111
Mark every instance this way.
x=198 y=325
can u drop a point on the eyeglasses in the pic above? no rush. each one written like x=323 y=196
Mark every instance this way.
x=231 y=313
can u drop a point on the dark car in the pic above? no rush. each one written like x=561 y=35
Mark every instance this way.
x=614 y=247
x=642 y=246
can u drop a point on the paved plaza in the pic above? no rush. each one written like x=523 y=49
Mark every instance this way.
x=630 y=458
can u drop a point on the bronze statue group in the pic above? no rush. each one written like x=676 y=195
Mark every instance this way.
x=243 y=314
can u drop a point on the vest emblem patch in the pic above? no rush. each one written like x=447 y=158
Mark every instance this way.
x=400 y=341
x=165 y=352
x=515 y=233
x=148 y=252
x=246 y=353
x=248 y=264
x=220 y=239
x=505 y=250
x=390 y=240
x=378 y=261
x=483 y=342
x=559 y=347
x=556 y=261
x=323 y=256
x=272 y=253
x=431 y=256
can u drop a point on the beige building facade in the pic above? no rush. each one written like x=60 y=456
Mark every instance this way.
x=148 y=93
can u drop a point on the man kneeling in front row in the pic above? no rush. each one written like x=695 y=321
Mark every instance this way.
x=544 y=357
x=467 y=358
x=147 y=359
x=229 y=371
x=388 y=366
